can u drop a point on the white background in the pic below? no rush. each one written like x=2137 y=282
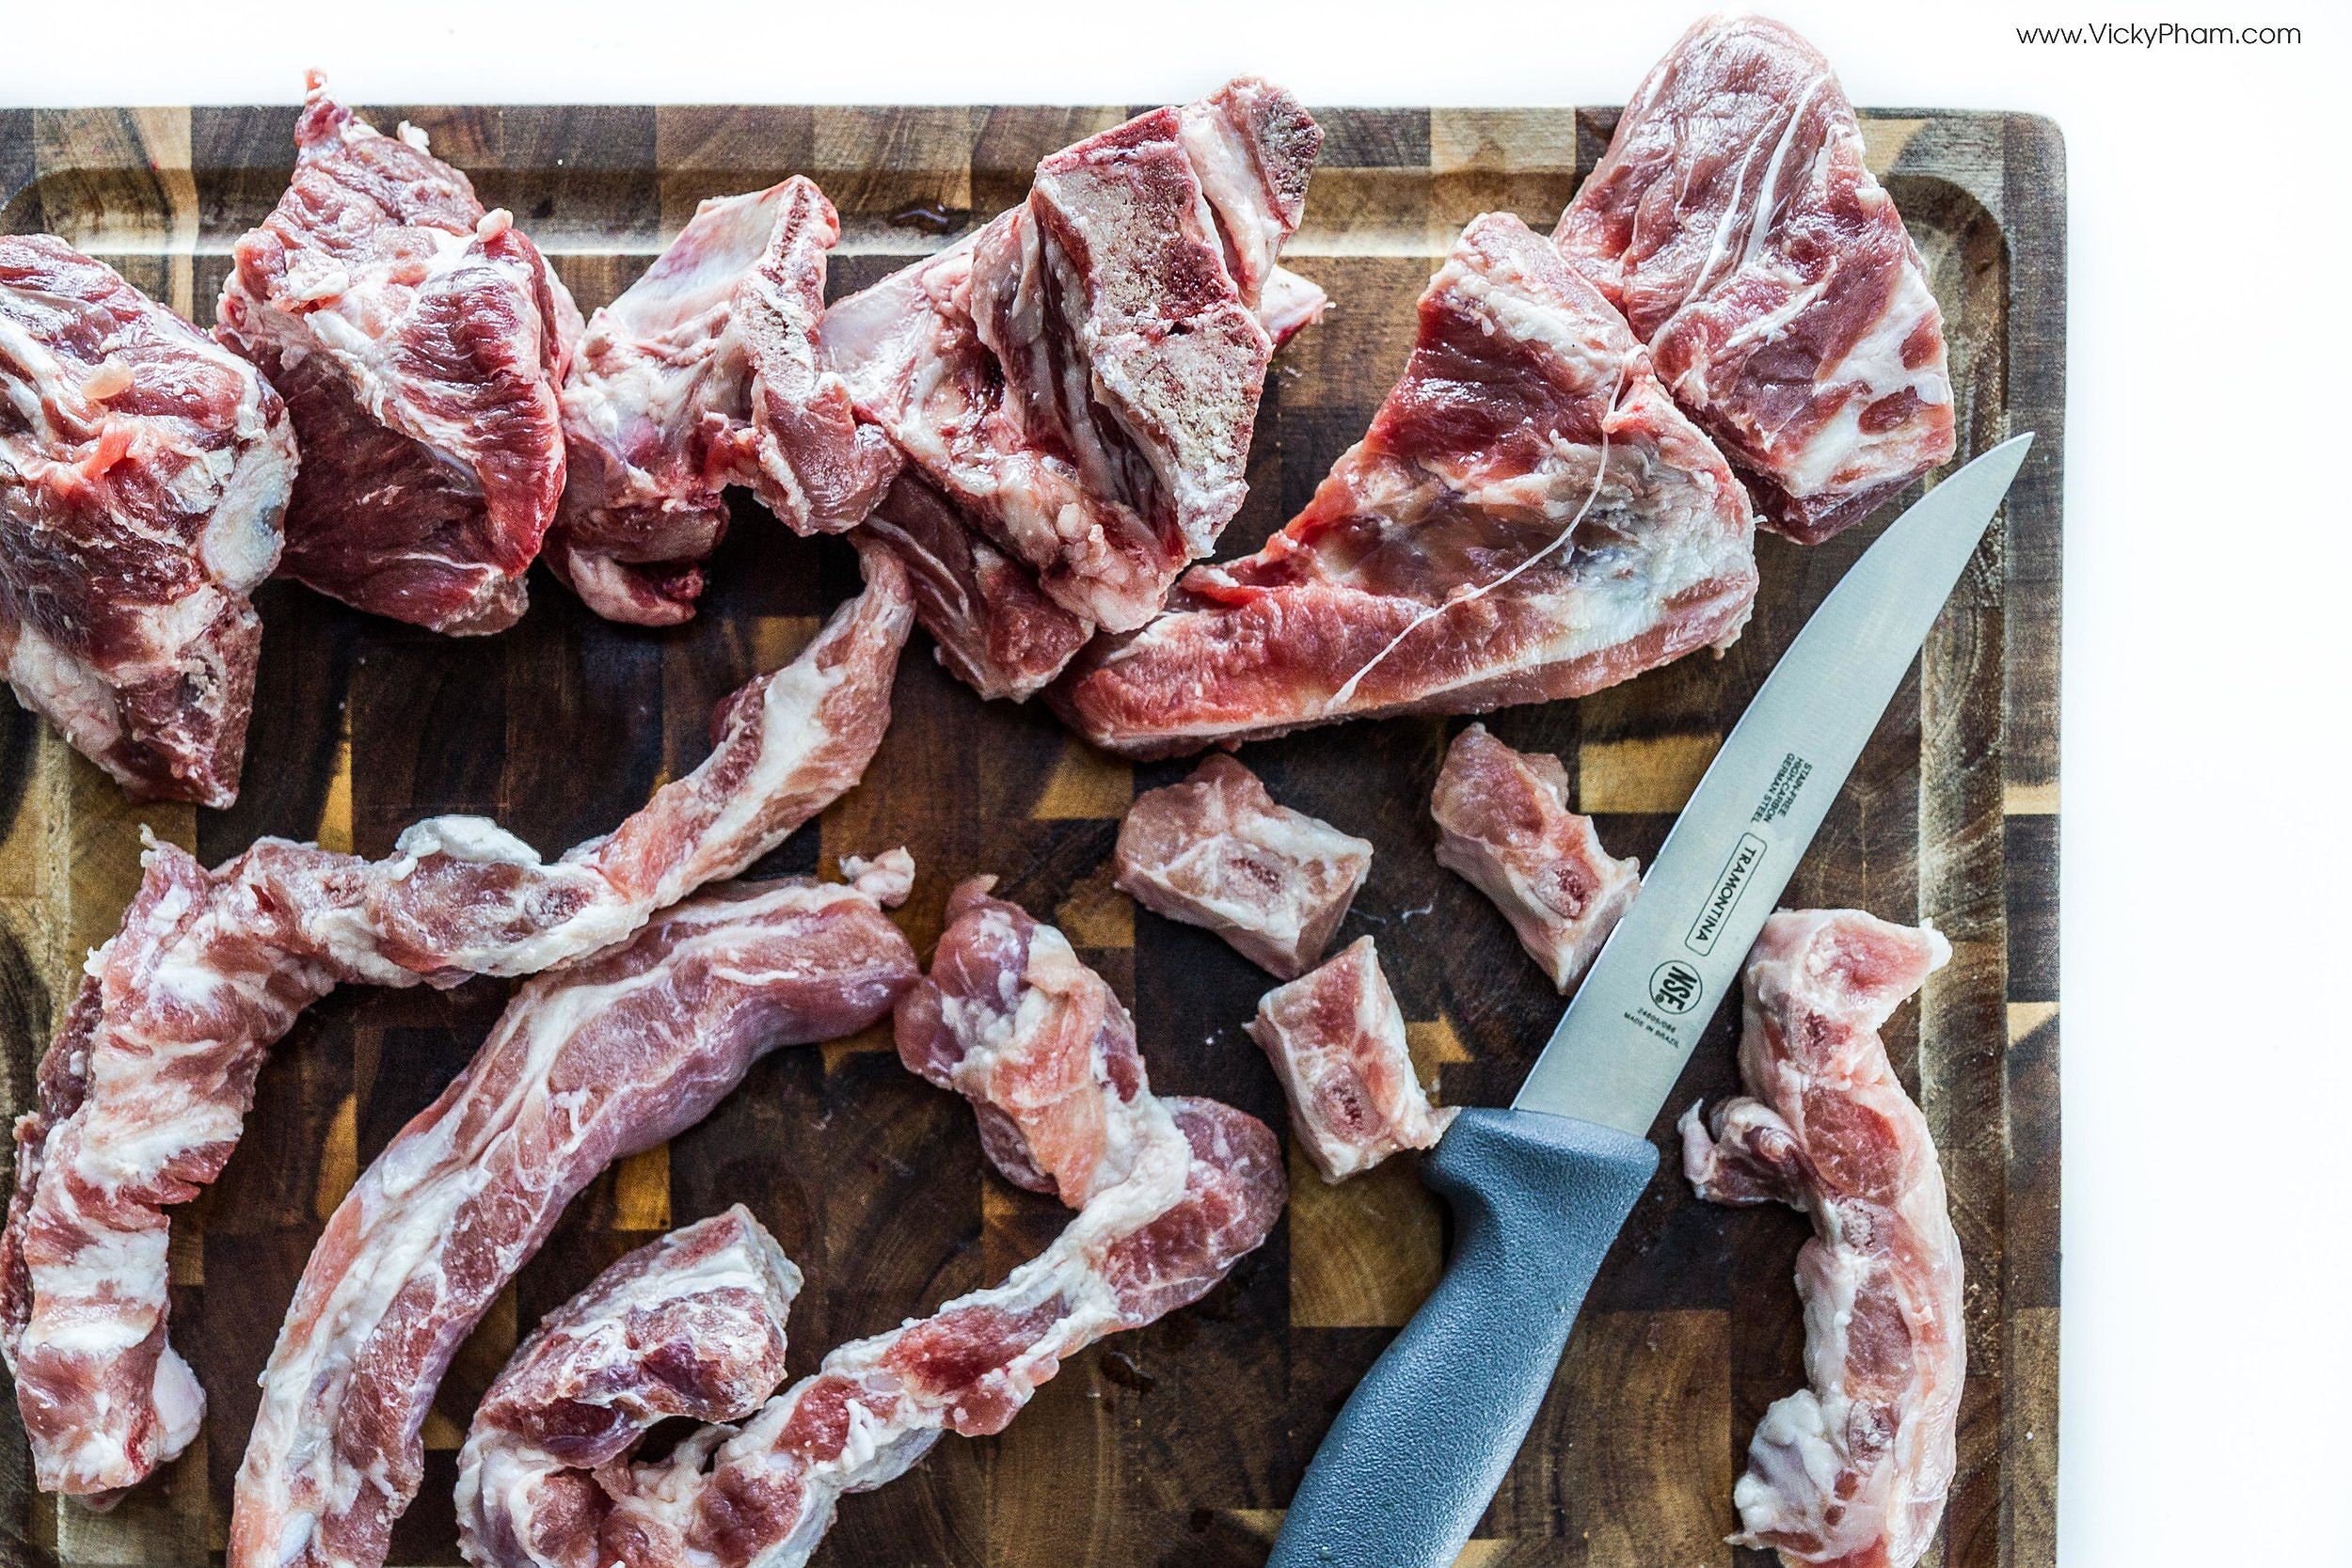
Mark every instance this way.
x=2207 y=1378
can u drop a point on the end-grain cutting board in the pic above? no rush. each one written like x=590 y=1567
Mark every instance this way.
x=1177 y=1444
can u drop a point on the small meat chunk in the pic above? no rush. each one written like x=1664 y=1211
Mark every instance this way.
x=1336 y=1042
x=1503 y=824
x=1216 y=851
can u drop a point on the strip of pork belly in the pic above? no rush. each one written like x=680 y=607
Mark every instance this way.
x=143 y=471
x=765 y=1496
x=1011 y=1019
x=143 y=1094
x=703 y=376
x=1735 y=223
x=1852 y=1470
x=419 y=341
x=1529 y=517
x=1076 y=383
x=1218 y=851
x=585 y=1067
x=1505 y=827
x=1336 y=1039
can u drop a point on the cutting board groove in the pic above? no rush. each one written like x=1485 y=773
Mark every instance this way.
x=1177 y=1444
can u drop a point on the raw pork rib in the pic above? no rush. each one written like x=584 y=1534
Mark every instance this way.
x=1074 y=385
x=704 y=374
x=143 y=477
x=1171 y=1195
x=418 y=343
x=1218 y=851
x=1336 y=1042
x=1503 y=824
x=1852 y=1471
x=544 y=1479
x=143 y=1094
x=586 y=1067
x=1733 y=221
x=1529 y=517
x=1012 y=1020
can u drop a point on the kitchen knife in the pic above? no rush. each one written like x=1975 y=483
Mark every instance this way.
x=1540 y=1191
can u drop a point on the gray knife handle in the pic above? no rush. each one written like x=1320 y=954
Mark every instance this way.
x=1417 y=1453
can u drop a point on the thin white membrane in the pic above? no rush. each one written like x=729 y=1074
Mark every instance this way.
x=1567 y=532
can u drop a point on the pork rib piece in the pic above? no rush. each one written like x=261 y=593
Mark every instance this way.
x=584 y=1068
x=1734 y=224
x=543 y=1483
x=703 y=374
x=1218 y=851
x=1504 y=826
x=1852 y=1470
x=143 y=1094
x=1075 y=384
x=1012 y=1020
x=419 y=341
x=1336 y=1042
x=144 y=473
x=1529 y=517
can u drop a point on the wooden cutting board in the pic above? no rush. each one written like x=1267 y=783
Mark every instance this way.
x=1179 y=1444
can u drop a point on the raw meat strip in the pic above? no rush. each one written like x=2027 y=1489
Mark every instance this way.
x=1076 y=382
x=1852 y=1471
x=1216 y=851
x=143 y=1094
x=1012 y=1020
x=144 y=473
x=584 y=1068
x=1336 y=1042
x=530 y=1494
x=1734 y=224
x=1503 y=824
x=1529 y=517
x=418 y=343
x=700 y=375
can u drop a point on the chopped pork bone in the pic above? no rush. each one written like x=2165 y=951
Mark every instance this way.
x=703 y=374
x=143 y=1094
x=1075 y=384
x=1503 y=824
x=1529 y=517
x=531 y=1494
x=1852 y=1470
x=144 y=473
x=1336 y=1042
x=1734 y=221
x=586 y=1067
x=1216 y=851
x=418 y=343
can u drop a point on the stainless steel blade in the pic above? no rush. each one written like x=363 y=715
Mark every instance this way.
x=1673 y=959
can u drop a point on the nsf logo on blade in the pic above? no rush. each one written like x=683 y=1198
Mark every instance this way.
x=1675 y=987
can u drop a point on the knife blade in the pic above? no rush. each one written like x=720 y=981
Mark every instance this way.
x=1540 y=1191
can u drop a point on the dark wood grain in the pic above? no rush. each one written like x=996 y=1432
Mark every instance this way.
x=1179 y=1444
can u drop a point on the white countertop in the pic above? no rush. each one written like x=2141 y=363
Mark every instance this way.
x=2207 y=1376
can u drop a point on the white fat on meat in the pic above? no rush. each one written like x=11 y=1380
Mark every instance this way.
x=1336 y=1039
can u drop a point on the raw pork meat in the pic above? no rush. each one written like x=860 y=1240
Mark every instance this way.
x=700 y=375
x=1734 y=222
x=1529 y=517
x=544 y=1479
x=143 y=477
x=1852 y=1471
x=1218 y=851
x=1012 y=1020
x=1503 y=824
x=1075 y=384
x=1336 y=1042
x=419 y=341
x=143 y=1094
x=585 y=1066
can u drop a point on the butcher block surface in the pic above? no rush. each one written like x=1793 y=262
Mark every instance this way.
x=1179 y=1444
